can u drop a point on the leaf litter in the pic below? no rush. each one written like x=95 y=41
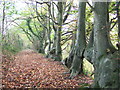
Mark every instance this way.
x=30 y=69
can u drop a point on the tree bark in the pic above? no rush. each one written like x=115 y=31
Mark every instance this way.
x=105 y=61
x=89 y=48
x=77 y=65
x=118 y=16
x=58 y=33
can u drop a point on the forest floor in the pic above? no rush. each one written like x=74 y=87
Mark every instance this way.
x=32 y=70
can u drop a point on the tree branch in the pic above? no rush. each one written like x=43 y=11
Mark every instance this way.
x=27 y=33
x=90 y=6
x=66 y=16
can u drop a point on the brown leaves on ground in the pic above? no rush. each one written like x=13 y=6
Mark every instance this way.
x=30 y=69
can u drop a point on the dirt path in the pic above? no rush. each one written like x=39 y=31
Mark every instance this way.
x=31 y=69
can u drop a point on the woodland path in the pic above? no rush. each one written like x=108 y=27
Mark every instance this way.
x=32 y=70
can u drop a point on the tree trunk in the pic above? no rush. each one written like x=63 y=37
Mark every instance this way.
x=80 y=44
x=59 y=28
x=3 y=20
x=118 y=16
x=68 y=61
x=89 y=49
x=105 y=61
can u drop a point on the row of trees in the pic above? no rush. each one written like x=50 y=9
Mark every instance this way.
x=51 y=26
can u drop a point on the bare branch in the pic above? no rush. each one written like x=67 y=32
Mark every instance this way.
x=69 y=22
x=113 y=26
x=90 y=6
x=26 y=32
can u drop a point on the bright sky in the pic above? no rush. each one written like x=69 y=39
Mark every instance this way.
x=20 y=5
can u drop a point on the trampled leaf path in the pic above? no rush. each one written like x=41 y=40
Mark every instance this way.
x=30 y=69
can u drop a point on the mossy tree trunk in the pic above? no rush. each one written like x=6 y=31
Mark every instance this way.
x=104 y=59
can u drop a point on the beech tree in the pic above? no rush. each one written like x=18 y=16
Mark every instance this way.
x=99 y=51
x=104 y=57
x=80 y=44
x=58 y=32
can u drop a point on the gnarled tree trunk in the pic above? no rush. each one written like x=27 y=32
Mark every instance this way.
x=104 y=59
